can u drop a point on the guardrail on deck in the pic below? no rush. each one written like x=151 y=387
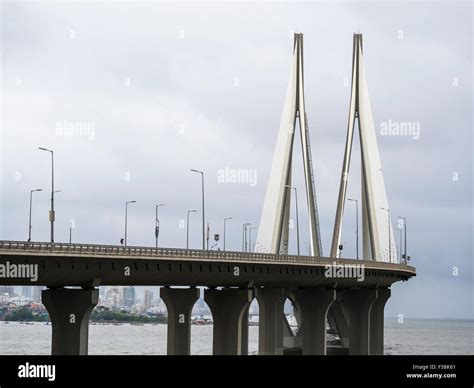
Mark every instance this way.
x=95 y=249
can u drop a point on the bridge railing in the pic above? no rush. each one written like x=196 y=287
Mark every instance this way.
x=178 y=253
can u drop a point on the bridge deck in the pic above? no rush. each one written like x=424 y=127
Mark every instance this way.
x=82 y=264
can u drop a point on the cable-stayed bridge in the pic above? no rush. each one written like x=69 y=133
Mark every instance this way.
x=346 y=293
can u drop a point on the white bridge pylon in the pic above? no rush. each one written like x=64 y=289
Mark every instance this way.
x=273 y=230
x=376 y=226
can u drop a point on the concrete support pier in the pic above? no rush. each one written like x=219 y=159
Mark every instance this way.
x=229 y=309
x=337 y=320
x=377 y=321
x=69 y=311
x=314 y=304
x=179 y=303
x=271 y=314
x=358 y=303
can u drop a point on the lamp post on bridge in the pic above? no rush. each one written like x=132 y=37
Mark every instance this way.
x=405 y=255
x=297 y=218
x=72 y=225
x=389 y=235
x=203 y=216
x=126 y=217
x=157 y=224
x=31 y=204
x=51 y=212
x=357 y=225
x=225 y=220
x=250 y=238
x=244 y=236
x=187 y=228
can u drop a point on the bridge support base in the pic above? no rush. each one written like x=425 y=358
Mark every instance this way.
x=271 y=314
x=314 y=305
x=69 y=311
x=179 y=303
x=358 y=303
x=377 y=321
x=229 y=309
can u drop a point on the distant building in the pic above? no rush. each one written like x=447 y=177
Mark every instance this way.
x=26 y=291
x=147 y=299
x=112 y=297
x=36 y=293
x=128 y=296
x=8 y=290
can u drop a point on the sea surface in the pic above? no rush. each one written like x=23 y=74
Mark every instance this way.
x=413 y=336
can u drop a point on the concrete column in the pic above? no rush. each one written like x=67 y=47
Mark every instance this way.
x=69 y=311
x=314 y=304
x=377 y=321
x=229 y=309
x=337 y=319
x=270 y=320
x=358 y=303
x=245 y=331
x=179 y=303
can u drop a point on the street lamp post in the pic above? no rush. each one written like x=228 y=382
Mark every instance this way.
x=203 y=215
x=404 y=238
x=400 y=247
x=71 y=227
x=51 y=212
x=357 y=225
x=207 y=236
x=126 y=217
x=187 y=228
x=297 y=219
x=244 y=236
x=31 y=204
x=389 y=235
x=157 y=224
x=250 y=238
x=225 y=220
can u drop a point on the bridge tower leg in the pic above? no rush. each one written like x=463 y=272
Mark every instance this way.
x=69 y=311
x=179 y=303
x=314 y=304
x=270 y=310
x=229 y=309
x=377 y=321
x=358 y=303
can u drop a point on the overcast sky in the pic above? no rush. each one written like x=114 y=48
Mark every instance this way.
x=151 y=90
